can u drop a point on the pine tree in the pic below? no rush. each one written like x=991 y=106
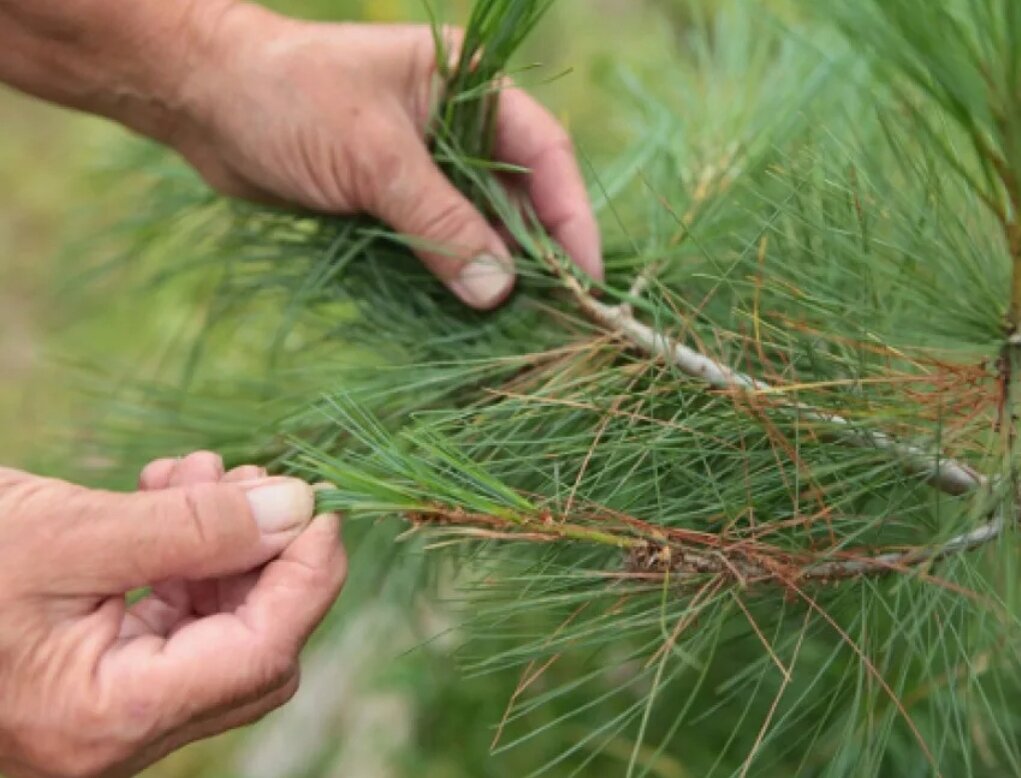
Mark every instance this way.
x=746 y=508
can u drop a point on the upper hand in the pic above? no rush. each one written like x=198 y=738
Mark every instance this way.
x=333 y=117
x=240 y=571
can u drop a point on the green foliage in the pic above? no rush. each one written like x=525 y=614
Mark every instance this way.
x=636 y=556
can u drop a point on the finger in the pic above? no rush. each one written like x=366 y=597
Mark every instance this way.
x=172 y=601
x=157 y=614
x=106 y=542
x=221 y=661
x=222 y=595
x=448 y=233
x=157 y=474
x=216 y=724
x=245 y=473
x=243 y=715
x=529 y=136
x=296 y=590
x=201 y=467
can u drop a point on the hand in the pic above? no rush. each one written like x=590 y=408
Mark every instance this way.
x=241 y=573
x=334 y=118
x=326 y=116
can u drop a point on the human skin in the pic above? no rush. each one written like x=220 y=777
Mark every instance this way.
x=332 y=118
x=241 y=573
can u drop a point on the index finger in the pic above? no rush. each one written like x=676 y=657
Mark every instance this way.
x=218 y=662
x=529 y=136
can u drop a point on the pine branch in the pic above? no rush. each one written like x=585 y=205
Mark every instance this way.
x=656 y=552
x=948 y=475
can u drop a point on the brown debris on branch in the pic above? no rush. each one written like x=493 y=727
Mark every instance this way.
x=656 y=553
x=946 y=474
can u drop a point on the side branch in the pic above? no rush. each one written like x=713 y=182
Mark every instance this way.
x=654 y=553
x=947 y=475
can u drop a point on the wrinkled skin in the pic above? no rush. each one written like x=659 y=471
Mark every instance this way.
x=92 y=686
x=361 y=148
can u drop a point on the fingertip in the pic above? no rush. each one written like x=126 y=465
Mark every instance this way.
x=326 y=525
x=197 y=468
x=331 y=526
x=157 y=474
x=297 y=589
x=581 y=240
x=321 y=548
x=245 y=473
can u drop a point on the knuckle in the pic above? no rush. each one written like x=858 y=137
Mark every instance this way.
x=444 y=220
x=275 y=700
x=279 y=665
x=385 y=164
x=74 y=756
x=375 y=164
x=186 y=513
x=316 y=578
x=33 y=511
x=290 y=689
x=77 y=730
x=325 y=575
x=137 y=717
x=24 y=498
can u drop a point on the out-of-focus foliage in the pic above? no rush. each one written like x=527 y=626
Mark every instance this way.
x=811 y=205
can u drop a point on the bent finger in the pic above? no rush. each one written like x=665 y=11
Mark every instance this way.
x=297 y=588
x=157 y=614
x=451 y=237
x=220 y=722
x=110 y=543
x=157 y=474
x=245 y=473
x=222 y=661
x=529 y=136
x=200 y=467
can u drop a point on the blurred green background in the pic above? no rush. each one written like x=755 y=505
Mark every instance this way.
x=356 y=715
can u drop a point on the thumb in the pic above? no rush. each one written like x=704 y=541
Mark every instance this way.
x=102 y=542
x=451 y=237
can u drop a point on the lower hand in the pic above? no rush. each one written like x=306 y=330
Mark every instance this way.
x=240 y=574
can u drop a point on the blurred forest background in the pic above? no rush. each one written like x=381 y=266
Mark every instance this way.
x=374 y=701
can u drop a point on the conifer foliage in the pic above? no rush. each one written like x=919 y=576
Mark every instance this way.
x=749 y=506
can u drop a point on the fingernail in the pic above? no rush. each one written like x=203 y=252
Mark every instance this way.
x=281 y=504
x=485 y=281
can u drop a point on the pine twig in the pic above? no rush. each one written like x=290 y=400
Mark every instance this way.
x=948 y=475
x=655 y=554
